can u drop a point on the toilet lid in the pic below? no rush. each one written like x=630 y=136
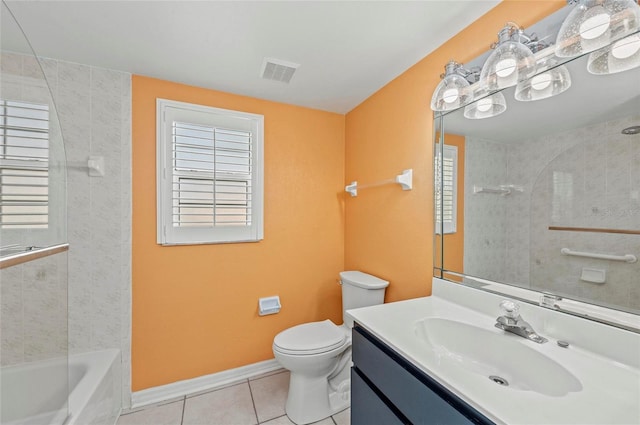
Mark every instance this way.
x=310 y=338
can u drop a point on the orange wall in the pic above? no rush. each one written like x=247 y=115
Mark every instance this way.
x=389 y=232
x=195 y=307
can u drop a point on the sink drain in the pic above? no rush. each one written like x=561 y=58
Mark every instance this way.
x=498 y=380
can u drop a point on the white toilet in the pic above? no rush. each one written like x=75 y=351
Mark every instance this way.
x=318 y=354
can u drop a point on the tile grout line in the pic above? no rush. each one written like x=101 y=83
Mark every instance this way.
x=255 y=411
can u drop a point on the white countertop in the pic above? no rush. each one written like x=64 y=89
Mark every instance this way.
x=610 y=392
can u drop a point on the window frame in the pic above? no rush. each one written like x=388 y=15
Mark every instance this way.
x=169 y=111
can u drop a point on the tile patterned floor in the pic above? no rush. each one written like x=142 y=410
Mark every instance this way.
x=258 y=400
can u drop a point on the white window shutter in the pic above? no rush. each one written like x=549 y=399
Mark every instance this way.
x=210 y=172
x=446 y=171
x=24 y=165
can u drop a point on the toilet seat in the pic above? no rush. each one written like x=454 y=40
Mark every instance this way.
x=310 y=338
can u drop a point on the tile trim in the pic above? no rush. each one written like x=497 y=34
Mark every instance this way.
x=161 y=393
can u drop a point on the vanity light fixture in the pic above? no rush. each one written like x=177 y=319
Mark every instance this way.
x=486 y=107
x=545 y=84
x=512 y=60
x=620 y=56
x=453 y=91
x=608 y=29
x=594 y=24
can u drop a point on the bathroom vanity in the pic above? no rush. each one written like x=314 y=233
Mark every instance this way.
x=387 y=389
x=441 y=360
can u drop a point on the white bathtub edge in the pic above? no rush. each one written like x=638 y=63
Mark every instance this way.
x=201 y=383
x=87 y=402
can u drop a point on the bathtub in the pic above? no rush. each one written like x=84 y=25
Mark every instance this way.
x=94 y=388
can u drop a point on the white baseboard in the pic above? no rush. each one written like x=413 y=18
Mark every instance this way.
x=202 y=383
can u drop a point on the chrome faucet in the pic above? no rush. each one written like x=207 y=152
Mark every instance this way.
x=511 y=321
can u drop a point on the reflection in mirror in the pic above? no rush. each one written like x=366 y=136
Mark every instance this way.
x=550 y=192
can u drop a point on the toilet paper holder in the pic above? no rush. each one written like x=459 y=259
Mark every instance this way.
x=269 y=305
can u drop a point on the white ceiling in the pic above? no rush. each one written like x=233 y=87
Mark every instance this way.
x=347 y=49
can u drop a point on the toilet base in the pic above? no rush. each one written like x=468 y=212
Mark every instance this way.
x=310 y=400
x=340 y=399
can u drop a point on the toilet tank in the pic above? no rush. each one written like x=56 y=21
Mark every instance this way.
x=360 y=290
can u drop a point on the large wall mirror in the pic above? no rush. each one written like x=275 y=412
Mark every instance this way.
x=545 y=196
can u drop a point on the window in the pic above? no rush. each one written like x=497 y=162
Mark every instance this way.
x=446 y=188
x=210 y=174
x=24 y=165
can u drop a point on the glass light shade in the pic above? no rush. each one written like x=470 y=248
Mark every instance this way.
x=452 y=92
x=486 y=107
x=594 y=24
x=510 y=63
x=620 y=56
x=544 y=85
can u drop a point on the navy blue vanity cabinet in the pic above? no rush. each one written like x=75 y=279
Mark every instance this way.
x=388 y=390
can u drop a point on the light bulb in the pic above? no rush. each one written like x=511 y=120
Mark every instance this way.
x=485 y=104
x=626 y=47
x=450 y=95
x=541 y=81
x=505 y=67
x=486 y=107
x=595 y=26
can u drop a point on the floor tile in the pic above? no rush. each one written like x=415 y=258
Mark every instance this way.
x=284 y=420
x=220 y=387
x=270 y=395
x=326 y=421
x=343 y=418
x=229 y=406
x=167 y=414
x=150 y=406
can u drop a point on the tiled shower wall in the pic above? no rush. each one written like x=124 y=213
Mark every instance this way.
x=588 y=178
x=94 y=107
x=33 y=311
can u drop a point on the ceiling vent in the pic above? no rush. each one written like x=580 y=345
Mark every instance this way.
x=278 y=70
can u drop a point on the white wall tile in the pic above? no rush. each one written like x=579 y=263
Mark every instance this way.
x=74 y=109
x=11 y=316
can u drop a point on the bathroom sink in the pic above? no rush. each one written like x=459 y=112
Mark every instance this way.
x=501 y=358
